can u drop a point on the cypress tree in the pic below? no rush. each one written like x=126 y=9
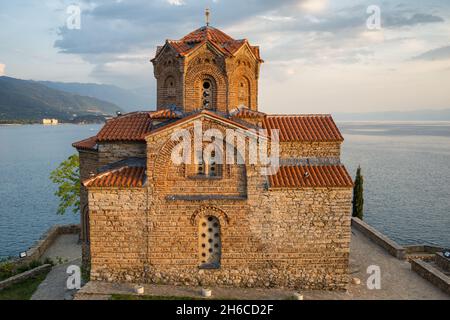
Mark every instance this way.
x=358 y=195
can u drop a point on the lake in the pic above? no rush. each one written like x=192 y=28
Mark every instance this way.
x=406 y=167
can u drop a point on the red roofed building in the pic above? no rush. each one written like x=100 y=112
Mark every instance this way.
x=148 y=217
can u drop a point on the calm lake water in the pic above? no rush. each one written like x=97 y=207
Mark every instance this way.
x=406 y=169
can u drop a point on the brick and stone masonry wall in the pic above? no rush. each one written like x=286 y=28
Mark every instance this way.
x=270 y=238
x=302 y=243
x=442 y=262
x=180 y=79
x=112 y=152
x=295 y=150
x=88 y=165
x=119 y=232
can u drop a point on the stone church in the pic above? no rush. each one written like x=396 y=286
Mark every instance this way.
x=147 y=219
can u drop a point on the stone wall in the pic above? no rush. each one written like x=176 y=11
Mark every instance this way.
x=442 y=262
x=118 y=231
x=24 y=276
x=433 y=275
x=168 y=70
x=112 y=152
x=296 y=238
x=47 y=239
x=88 y=166
x=376 y=236
x=180 y=79
x=331 y=150
x=285 y=238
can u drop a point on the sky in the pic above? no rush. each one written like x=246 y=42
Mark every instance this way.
x=321 y=56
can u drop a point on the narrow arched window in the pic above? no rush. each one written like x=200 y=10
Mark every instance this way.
x=170 y=86
x=208 y=166
x=244 y=93
x=207 y=94
x=210 y=244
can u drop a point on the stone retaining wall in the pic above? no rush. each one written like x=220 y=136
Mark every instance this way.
x=389 y=245
x=35 y=252
x=433 y=275
x=442 y=262
x=23 y=276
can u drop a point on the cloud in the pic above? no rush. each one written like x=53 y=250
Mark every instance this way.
x=176 y=2
x=288 y=31
x=435 y=54
x=2 y=69
x=314 y=5
x=399 y=20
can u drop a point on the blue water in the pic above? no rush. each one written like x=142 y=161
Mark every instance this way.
x=406 y=169
x=27 y=203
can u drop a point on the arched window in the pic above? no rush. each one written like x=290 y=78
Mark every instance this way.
x=210 y=244
x=207 y=94
x=170 y=86
x=244 y=93
x=208 y=166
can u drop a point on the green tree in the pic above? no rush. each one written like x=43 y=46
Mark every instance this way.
x=358 y=195
x=67 y=177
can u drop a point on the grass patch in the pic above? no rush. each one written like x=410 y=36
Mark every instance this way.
x=12 y=268
x=22 y=290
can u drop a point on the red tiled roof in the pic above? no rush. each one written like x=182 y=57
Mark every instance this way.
x=325 y=176
x=87 y=144
x=125 y=177
x=166 y=114
x=198 y=113
x=311 y=128
x=207 y=33
x=219 y=39
x=129 y=127
x=247 y=113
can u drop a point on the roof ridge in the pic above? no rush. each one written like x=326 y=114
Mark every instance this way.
x=301 y=115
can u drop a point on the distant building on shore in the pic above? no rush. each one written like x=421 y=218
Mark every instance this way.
x=50 y=122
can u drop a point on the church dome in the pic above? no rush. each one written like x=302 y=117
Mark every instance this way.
x=207 y=33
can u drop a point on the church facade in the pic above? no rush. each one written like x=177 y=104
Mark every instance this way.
x=149 y=219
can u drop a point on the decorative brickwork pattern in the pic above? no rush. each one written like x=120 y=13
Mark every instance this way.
x=147 y=219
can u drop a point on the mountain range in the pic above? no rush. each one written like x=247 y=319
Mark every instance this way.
x=32 y=101
x=127 y=100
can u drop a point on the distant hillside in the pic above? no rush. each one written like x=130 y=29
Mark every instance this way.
x=128 y=100
x=32 y=101
x=418 y=115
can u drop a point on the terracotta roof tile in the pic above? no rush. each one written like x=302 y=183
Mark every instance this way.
x=320 y=128
x=87 y=144
x=166 y=114
x=246 y=113
x=125 y=177
x=207 y=33
x=180 y=46
x=199 y=113
x=324 y=176
x=219 y=39
x=129 y=127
